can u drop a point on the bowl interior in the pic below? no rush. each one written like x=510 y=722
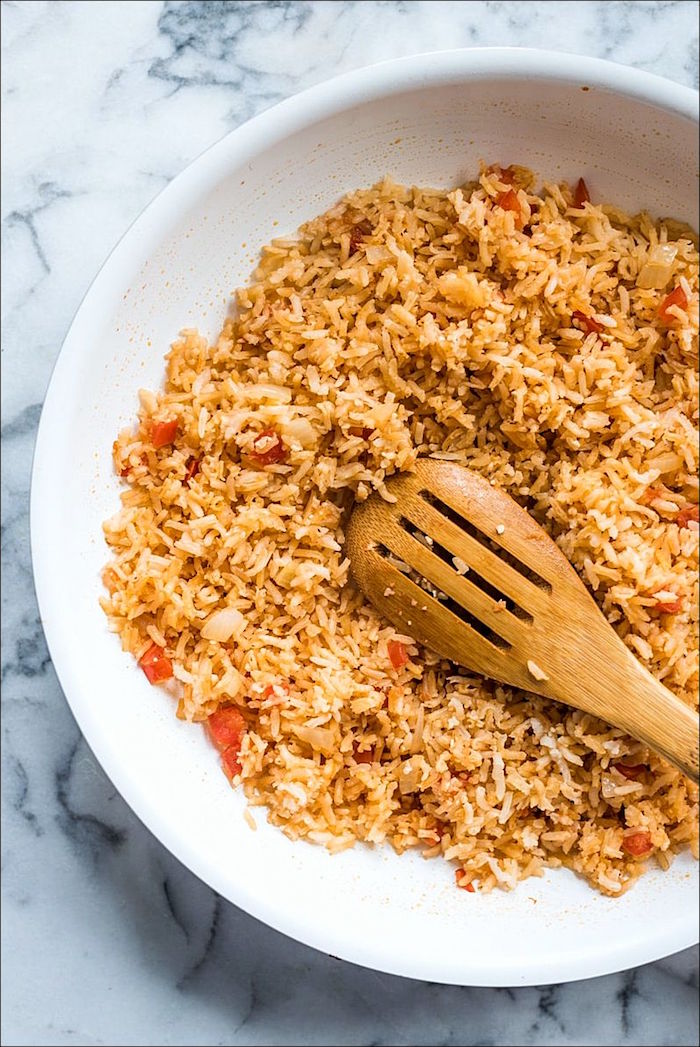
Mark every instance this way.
x=177 y=268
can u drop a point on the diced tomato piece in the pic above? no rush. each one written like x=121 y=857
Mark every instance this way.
x=504 y=174
x=278 y=691
x=652 y=493
x=581 y=194
x=358 y=233
x=356 y=430
x=509 y=202
x=163 y=433
x=464 y=777
x=676 y=297
x=397 y=653
x=632 y=771
x=156 y=664
x=588 y=323
x=463 y=883
x=690 y=512
x=268 y=448
x=230 y=762
x=668 y=606
x=226 y=728
x=637 y=844
x=366 y=756
x=440 y=828
x=191 y=470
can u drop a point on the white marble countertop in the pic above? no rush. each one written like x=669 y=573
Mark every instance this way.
x=107 y=939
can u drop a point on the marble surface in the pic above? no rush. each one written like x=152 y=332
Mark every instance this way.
x=106 y=938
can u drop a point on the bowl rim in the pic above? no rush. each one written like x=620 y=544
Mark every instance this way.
x=324 y=99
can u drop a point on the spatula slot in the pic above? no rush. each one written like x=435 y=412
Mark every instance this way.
x=488 y=543
x=476 y=579
x=433 y=592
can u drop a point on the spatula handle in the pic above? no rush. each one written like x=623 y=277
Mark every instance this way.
x=625 y=694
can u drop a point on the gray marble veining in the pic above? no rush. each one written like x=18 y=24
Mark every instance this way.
x=107 y=939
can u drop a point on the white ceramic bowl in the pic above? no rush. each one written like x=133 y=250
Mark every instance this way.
x=426 y=120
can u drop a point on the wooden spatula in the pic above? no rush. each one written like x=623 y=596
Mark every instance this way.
x=510 y=606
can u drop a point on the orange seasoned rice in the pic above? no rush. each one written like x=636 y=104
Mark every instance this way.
x=507 y=329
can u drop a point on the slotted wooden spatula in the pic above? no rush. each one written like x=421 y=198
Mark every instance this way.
x=505 y=602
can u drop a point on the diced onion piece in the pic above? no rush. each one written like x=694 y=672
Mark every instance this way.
x=417 y=739
x=321 y=738
x=301 y=431
x=223 y=624
x=148 y=400
x=464 y=287
x=381 y=413
x=410 y=775
x=278 y=394
x=665 y=461
x=375 y=254
x=657 y=271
